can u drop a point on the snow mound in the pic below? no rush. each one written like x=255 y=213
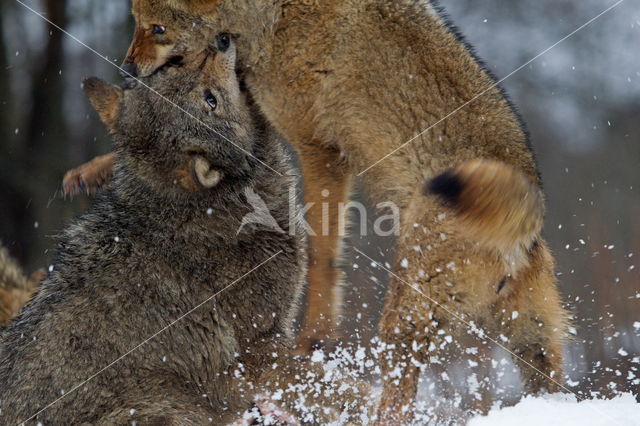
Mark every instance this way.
x=565 y=410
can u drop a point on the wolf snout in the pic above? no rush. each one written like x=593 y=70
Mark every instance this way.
x=128 y=70
x=205 y=175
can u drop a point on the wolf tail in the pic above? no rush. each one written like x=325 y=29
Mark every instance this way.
x=497 y=206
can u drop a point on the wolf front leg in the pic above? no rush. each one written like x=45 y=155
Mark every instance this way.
x=89 y=177
x=536 y=324
x=399 y=360
x=326 y=187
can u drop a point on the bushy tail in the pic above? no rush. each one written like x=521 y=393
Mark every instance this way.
x=498 y=206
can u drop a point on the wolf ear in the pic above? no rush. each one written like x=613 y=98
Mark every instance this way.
x=106 y=99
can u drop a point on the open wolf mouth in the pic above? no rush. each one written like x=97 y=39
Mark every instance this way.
x=174 y=61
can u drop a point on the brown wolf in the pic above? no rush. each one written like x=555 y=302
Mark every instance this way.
x=15 y=287
x=361 y=87
x=161 y=242
x=473 y=260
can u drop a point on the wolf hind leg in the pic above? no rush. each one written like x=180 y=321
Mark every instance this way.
x=536 y=324
x=326 y=186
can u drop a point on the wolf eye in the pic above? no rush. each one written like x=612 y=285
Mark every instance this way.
x=223 y=41
x=158 y=29
x=210 y=99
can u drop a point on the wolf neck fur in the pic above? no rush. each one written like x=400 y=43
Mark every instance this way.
x=181 y=215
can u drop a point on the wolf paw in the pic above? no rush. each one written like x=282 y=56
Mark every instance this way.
x=90 y=177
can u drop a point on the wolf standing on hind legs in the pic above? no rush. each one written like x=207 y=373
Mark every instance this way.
x=160 y=243
x=366 y=84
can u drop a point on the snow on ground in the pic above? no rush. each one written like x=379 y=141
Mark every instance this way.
x=565 y=410
x=450 y=398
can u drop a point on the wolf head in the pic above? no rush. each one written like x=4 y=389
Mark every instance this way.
x=185 y=130
x=170 y=32
x=167 y=32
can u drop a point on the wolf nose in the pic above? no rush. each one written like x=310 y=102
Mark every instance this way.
x=128 y=69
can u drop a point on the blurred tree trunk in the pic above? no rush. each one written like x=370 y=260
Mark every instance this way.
x=13 y=197
x=45 y=134
x=5 y=93
x=47 y=87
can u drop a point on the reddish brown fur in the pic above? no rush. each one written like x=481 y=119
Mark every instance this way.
x=354 y=80
x=15 y=288
x=106 y=101
x=184 y=178
x=500 y=205
x=497 y=206
x=12 y=300
x=454 y=277
x=89 y=177
x=146 y=51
